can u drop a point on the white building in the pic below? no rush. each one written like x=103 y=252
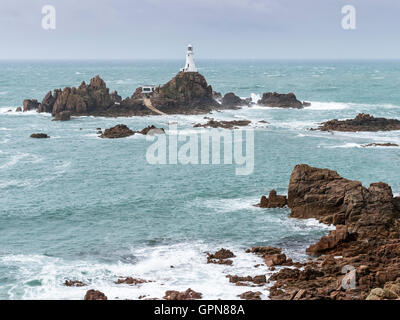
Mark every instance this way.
x=189 y=66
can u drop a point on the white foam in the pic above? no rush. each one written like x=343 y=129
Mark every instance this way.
x=316 y=105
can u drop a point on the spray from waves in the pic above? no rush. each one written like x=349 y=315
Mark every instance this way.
x=173 y=267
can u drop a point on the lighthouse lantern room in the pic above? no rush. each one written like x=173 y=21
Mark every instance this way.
x=190 y=66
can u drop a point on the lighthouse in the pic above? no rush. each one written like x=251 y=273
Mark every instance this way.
x=190 y=66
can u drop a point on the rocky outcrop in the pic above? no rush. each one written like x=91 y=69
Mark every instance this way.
x=362 y=122
x=189 y=294
x=220 y=257
x=232 y=101
x=30 y=105
x=323 y=194
x=39 y=136
x=95 y=295
x=243 y=281
x=273 y=201
x=186 y=93
x=223 y=124
x=19 y=109
x=277 y=100
x=360 y=255
x=390 y=291
x=119 y=131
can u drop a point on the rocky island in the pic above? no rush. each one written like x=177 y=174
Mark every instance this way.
x=362 y=122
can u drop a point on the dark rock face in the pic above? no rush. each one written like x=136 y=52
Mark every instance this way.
x=277 y=100
x=63 y=116
x=362 y=122
x=39 y=136
x=186 y=93
x=367 y=238
x=30 y=105
x=217 y=95
x=230 y=100
x=189 y=294
x=95 y=295
x=119 y=131
x=323 y=194
x=19 y=109
x=223 y=124
x=273 y=201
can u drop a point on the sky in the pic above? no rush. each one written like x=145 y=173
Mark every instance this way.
x=218 y=29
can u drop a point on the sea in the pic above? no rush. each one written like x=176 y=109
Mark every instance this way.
x=78 y=207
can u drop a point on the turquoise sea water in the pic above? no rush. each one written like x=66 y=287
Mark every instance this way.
x=79 y=207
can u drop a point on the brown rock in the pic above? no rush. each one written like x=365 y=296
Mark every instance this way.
x=250 y=295
x=362 y=122
x=230 y=100
x=152 y=130
x=119 y=131
x=273 y=201
x=74 y=283
x=223 y=124
x=276 y=100
x=189 y=294
x=380 y=145
x=30 y=105
x=221 y=257
x=63 y=116
x=131 y=281
x=19 y=109
x=95 y=295
x=275 y=260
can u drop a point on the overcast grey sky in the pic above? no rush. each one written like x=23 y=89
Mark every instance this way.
x=157 y=29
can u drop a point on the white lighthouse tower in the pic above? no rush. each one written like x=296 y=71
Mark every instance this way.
x=190 y=66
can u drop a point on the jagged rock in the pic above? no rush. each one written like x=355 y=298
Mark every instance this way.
x=223 y=124
x=323 y=194
x=186 y=93
x=275 y=260
x=95 y=295
x=273 y=201
x=277 y=100
x=30 y=105
x=131 y=281
x=74 y=283
x=362 y=122
x=19 y=109
x=48 y=102
x=331 y=241
x=189 y=294
x=63 y=116
x=39 y=136
x=258 y=280
x=115 y=97
x=216 y=95
x=220 y=257
x=230 y=100
x=250 y=295
x=119 y=131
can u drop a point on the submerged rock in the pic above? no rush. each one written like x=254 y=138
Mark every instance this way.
x=362 y=122
x=277 y=100
x=380 y=145
x=119 y=131
x=223 y=124
x=74 y=283
x=39 y=136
